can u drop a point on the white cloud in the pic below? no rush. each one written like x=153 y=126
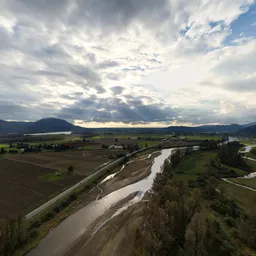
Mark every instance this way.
x=169 y=52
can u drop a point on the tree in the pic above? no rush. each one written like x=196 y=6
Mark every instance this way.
x=2 y=151
x=211 y=186
x=146 y=145
x=195 y=235
x=70 y=169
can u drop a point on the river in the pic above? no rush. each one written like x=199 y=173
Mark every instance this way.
x=64 y=236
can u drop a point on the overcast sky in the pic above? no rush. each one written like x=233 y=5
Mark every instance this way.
x=128 y=62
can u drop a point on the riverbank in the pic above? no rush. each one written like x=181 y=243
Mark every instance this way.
x=113 y=237
x=132 y=172
x=88 y=208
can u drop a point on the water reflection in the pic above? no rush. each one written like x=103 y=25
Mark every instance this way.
x=59 y=240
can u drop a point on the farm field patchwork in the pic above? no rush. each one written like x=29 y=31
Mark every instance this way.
x=84 y=162
x=28 y=180
x=21 y=188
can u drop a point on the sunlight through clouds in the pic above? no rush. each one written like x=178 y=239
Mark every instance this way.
x=110 y=63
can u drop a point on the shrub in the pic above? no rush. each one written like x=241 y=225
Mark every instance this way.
x=57 y=209
x=230 y=221
x=48 y=216
x=34 y=234
x=35 y=224
x=72 y=198
x=224 y=207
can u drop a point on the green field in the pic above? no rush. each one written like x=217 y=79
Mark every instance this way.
x=247 y=141
x=149 y=143
x=54 y=176
x=244 y=197
x=126 y=136
x=4 y=146
x=203 y=137
x=197 y=162
x=252 y=164
x=251 y=155
x=247 y=182
x=193 y=164
x=239 y=172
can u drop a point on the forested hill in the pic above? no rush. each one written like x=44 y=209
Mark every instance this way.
x=251 y=130
x=43 y=125
x=232 y=128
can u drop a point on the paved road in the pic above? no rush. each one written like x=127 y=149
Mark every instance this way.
x=84 y=181
x=69 y=190
x=239 y=185
x=249 y=158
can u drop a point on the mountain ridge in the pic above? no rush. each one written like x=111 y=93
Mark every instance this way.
x=232 y=128
x=249 y=130
x=42 y=125
x=59 y=125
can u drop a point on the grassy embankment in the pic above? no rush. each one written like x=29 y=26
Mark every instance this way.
x=48 y=219
x=203 y=137
x=52 y=216
x=251 y=154
x=4 y=146
x=198 y=163
x=247 y=141
x=247 y=182
x=54 y=176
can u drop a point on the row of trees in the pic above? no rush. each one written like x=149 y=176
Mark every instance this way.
x=209 y=145
x=253 y=151
x=12 y=235
x=176 y=225
x=175 y=222
x=229 y=155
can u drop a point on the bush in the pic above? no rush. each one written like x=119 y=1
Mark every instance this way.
x=224 y=207
x=230 y=221
x=35 y=224
x=65 y=204
x=34 y=234
x=57 y=209
x=72 y=198
x=48 y=216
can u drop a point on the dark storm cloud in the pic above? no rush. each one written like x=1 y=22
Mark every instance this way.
x=119 y=13
x=243 y=85
x=116 y=110
x=13 y=111
x=108 y=64
x=51 y=51
x=73 y=96
x=114 y=76
x=45 y=9
x=117 y=89
x=49 y=73
x=100 y=89
x=5 y=42
x=101 y=13
x=85 y=72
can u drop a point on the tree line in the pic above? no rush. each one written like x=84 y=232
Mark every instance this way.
x=176 y=222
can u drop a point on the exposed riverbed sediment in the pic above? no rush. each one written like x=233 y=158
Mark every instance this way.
x=61 y=239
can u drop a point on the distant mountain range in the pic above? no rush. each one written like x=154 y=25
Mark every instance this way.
x=232 y=128
x=58 y=125
x=249 y=130
x=43 y=125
